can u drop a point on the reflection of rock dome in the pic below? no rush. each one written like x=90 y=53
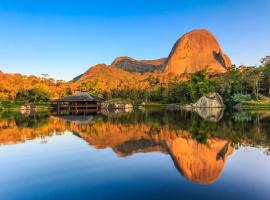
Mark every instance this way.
x=201 y=163
x=131 y=147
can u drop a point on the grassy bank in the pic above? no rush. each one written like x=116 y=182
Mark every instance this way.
x=255 y=105
x=15 y=106
x=153 y=105
x=10 y=105
x=126 y=101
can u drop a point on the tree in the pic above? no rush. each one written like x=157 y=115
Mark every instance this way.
x=230 y=84
x=265 y=61
x=92 y=86
x=33 y=95
x=266 y=78
x=254 y=78
x=199 y=85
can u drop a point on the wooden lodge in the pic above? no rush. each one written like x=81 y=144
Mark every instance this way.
x=76 y=103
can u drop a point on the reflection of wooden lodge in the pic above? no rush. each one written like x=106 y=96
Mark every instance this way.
x=80 y=102
x=78 y=119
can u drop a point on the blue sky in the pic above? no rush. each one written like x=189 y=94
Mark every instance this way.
x=64 y=38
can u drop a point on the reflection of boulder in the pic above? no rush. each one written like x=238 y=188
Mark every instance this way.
x=200 y=163
x=210 y=114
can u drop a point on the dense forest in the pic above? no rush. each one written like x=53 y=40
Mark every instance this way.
x=238 y=84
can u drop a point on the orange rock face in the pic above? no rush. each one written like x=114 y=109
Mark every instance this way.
x=201 y=163
x=195 y=51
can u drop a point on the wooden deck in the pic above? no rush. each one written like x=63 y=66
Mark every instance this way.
x=75 y=107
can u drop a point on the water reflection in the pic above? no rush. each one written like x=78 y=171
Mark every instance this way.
x=199 y=146
x=209 y=114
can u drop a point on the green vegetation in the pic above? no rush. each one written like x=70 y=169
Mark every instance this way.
x=173 y=92
x=10 y=105
x=117 y=100
x=153 y=105
x=35 y=121
x=93 y=86
x=6 y=106
x=239 y=127
x=33 y=95
x=249 y=86
x=255 y=104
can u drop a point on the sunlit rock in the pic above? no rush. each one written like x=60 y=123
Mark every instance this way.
x=195 y=51
x=210 y=107
x=210 y=100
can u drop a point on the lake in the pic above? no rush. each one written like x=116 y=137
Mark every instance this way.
x=140 y=154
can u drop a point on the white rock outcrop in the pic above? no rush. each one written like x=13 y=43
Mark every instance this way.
x=210 y=100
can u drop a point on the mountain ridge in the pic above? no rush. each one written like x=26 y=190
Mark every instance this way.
x=134 y=65
x=194 y=51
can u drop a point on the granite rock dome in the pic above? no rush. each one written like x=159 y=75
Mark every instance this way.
x=195 y=51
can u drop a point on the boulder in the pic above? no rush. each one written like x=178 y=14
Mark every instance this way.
x=209 y=107
x=210 y=100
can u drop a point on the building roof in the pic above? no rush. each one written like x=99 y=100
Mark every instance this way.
x=79 y=97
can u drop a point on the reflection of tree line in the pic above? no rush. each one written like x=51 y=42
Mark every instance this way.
x=198 y=147
x=238 y=127
x=15 y=128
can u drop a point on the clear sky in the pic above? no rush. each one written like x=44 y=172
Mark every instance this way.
x=64 y=38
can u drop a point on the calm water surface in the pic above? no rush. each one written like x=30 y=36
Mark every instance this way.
x=141 y=154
